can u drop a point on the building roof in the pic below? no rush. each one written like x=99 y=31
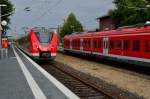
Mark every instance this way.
x=102 y=17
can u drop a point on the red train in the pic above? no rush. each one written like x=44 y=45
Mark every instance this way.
x=130 y=45
x=40 y=44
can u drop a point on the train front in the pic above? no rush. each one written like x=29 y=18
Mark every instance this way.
x=43 y=45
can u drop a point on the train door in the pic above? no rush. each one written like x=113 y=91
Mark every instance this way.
x=81 y=44
x=105 y=46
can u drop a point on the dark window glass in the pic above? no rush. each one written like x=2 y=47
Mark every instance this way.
x=76 y=43
x=126 y=44
x=136 y=45
x=94 y=43
x=147 y=46
x=111 y=45
x=118 y=44
x=99 y=43
x=44 y=37
x=89 y=43
x=85 y=44
x=73 y=43
x=81 y=43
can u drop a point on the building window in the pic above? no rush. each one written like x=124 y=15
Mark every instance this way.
x=99 y=43
x=147 y=45
x=126 y=44
x=136 y=45
x=118 y=44
x=111 y=45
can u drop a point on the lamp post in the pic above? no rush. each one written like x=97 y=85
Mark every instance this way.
x=2 y=5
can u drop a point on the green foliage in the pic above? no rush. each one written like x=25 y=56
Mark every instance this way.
x=5 y=10
x=128 y=12
x=23 y=40
x=71 y=25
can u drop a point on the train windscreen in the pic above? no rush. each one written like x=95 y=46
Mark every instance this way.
x=44 y=37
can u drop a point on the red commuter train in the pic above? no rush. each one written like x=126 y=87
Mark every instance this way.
x=130 y=45
x=41 y=44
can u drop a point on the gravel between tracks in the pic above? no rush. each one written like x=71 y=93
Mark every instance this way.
x=132 y=83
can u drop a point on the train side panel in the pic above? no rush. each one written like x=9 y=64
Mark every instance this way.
x=128 y=45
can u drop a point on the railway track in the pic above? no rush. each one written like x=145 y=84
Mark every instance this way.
x=82 y=88
x=123 y=67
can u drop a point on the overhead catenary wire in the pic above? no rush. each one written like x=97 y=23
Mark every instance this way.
x=34 y=5
x=48 y=10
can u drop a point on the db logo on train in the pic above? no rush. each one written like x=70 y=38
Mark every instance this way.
x=4 y=42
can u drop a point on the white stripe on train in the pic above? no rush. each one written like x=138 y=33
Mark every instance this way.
x=115 y=56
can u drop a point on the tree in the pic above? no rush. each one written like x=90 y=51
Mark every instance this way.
x=5 y=10
x=130 y=12
x=71 y=25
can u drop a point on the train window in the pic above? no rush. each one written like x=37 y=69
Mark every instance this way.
x=78 y=43
x=99 y=43
x=44 y=37
x=89 y=43
x=111 y=45
x=147 y=45
x=81 y=43
x=84 y=43
x=136 y=45
x=94 y=44
x=126 y=44
x=73 y=43
x=118 y=44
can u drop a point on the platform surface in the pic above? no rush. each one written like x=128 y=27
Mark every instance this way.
x=22 y=78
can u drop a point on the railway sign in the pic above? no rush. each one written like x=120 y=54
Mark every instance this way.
x=4 y=33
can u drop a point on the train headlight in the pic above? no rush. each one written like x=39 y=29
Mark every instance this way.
x=37 y=46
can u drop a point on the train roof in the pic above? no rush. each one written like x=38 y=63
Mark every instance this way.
x=119 y=31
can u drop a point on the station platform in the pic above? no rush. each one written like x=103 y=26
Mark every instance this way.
x=22 y=78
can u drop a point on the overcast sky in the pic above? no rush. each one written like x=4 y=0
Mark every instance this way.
x=51 y=13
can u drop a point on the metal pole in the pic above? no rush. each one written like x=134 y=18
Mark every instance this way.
x=0 y=31
x=1 y=52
